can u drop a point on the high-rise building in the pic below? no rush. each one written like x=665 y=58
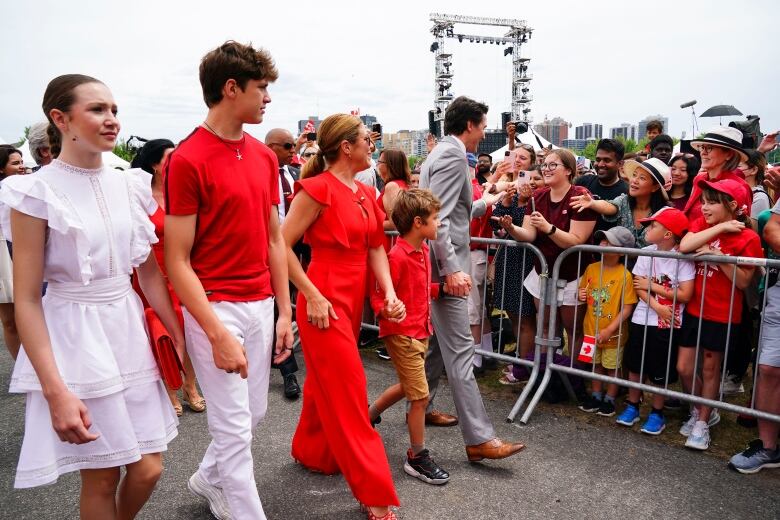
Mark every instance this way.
x=368 y=120
x=643 y=125
x=411 y=142
x=554 y=130
x=626 y=131
x=576 y=145
x=494 y=139
x=589 y=131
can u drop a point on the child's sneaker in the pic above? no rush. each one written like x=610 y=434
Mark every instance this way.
x=424 y=468
x=629 y=416
x=591 y=404
x=755 y=458
x=607 y=408
x=654 y=425
x=699 y=439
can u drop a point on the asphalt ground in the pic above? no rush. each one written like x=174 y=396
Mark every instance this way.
x=570 y=469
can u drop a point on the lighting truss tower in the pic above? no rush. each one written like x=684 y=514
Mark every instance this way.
x=518 y=34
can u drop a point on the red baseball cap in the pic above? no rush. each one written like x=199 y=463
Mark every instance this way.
x=671 y=218
x=739 y=191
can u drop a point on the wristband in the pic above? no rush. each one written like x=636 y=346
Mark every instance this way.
x=552 y=231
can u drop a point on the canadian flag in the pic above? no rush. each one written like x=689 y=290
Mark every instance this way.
x=355 y=112
x=309 y=127
x=588 y=349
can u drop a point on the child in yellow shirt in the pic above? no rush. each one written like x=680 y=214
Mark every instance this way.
x=608 y=289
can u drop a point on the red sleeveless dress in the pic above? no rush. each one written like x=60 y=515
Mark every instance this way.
x=334 y=433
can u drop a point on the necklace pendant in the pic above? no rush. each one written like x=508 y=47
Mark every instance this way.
x=238 y=154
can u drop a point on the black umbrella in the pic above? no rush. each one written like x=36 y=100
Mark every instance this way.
x=720 y=111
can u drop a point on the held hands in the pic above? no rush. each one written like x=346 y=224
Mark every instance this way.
x=458 y=283
x=709 y=250
x=394 y=309
x=581 y=202
x=319 y=310
x=70 y=418
x=284 y=339
x=229 y=355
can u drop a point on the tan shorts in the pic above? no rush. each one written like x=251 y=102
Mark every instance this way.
x=609 y=358
x=408 y=357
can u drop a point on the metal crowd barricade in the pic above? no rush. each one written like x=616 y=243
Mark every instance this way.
x=579 y=369
x=370 y=322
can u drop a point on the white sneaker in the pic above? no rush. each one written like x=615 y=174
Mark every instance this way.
x=730 y=386
x=218 y=504
x=714 y=417
x=699 y=439
x=687 y=427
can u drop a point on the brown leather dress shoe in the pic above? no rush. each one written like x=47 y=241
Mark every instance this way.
x=493 y=449
x=436 y=418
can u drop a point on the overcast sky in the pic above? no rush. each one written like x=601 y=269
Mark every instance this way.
x=607 y=62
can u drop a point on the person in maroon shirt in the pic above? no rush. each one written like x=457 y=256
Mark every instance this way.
x=416 y=216
x=553 y=226
x=226 y=259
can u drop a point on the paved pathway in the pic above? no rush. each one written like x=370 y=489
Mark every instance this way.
x=568 y=470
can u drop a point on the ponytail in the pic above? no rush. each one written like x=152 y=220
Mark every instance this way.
x=55 y=140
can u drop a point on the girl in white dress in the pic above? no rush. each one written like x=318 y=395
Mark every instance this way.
x=95 y=400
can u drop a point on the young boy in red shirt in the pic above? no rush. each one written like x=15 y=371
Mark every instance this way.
x=226 y=260
x=416 y=216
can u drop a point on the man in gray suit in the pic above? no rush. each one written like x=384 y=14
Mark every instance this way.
x=446 y=173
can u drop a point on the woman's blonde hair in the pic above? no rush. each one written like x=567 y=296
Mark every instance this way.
x=332 y=132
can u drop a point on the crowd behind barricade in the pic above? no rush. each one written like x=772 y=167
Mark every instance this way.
x=181 y=270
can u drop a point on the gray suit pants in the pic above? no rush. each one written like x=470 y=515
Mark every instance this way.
x=453 y=347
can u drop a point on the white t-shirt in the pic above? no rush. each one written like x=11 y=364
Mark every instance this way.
x=668 y=272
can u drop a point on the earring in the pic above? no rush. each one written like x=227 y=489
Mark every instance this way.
x=74 y=138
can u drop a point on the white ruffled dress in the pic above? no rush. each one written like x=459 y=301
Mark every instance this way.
x=98 y=230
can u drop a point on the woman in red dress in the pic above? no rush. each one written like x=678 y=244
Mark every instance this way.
x=342 y=222
x=151 y=158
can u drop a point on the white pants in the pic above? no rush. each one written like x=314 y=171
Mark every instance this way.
x=235 y=405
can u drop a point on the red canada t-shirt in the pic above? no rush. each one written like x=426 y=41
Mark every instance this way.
x=233 y=200
x=559 y=214
x=718 y=289
x=693 y=207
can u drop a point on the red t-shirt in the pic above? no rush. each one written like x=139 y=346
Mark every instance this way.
x=410 y=271
x=233 y=200
x=718 y=289
x=693 y=207
x=480 y=226
x=560 y=215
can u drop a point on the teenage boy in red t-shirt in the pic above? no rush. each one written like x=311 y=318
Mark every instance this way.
x=226 y=260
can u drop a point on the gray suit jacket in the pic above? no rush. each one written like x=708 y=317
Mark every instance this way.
x=446 y=173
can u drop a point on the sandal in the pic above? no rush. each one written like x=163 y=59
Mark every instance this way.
x=509 y=379
x=197 y=405
x=390 y=515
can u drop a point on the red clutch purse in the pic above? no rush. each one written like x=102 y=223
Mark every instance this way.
x=164 y=351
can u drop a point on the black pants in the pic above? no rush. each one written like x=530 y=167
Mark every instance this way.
x=289 y=365
x=739 y=357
